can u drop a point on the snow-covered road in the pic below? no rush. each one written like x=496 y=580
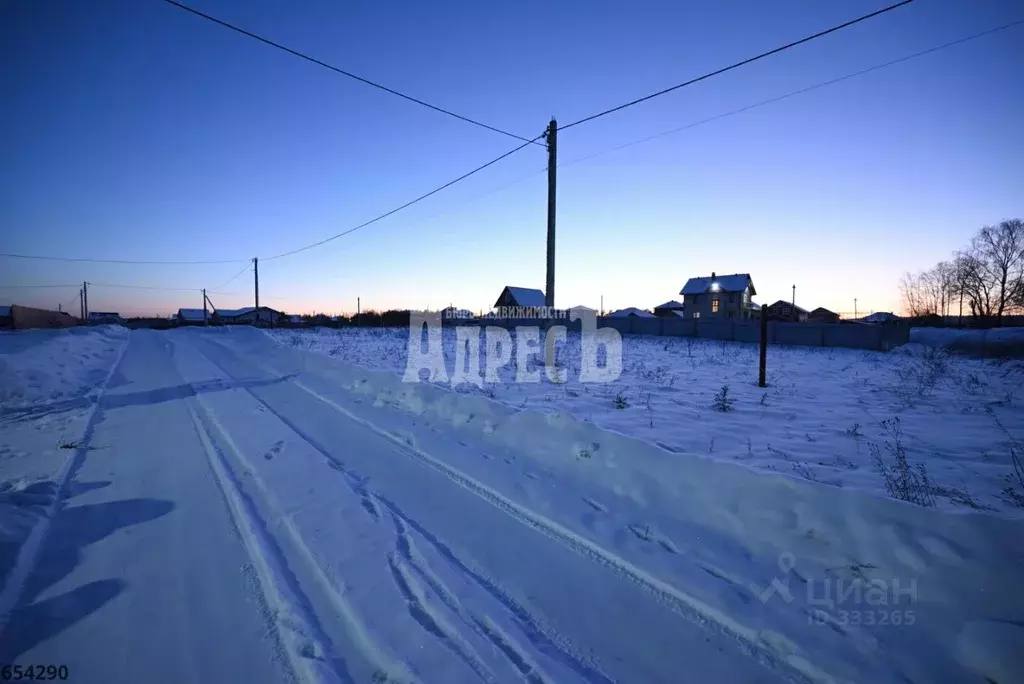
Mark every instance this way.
x=221 y=508
x=267 y=534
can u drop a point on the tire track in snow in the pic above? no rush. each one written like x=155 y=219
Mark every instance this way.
x=482 y=625
x=545 y=642
x=431 y=621
x=303 y=646
x=513 y=651
x=386 y=669
x=28 y=552
x=541 y=639
x=750 y=641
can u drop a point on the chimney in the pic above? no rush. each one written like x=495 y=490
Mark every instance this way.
x=712 y=275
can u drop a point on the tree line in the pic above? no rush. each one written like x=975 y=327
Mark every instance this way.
x=985 y=280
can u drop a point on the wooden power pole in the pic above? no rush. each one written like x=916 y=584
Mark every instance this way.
x=205 y=314
x=81 y=305
x=256 y=279
x=552 y=140
x=85 y=301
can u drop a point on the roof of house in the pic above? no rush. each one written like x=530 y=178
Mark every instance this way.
x=783 y=302
x=104 y=314
x=5 y=311
x=736 y=282
x=880 y=317
x=231 y=313
x=630 y=311
x=523 y=296
x=670 y=305
x=679 y=312
x=193 y=314
x=823 y=310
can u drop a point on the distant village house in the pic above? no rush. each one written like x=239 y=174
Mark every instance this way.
x=822 y=315
x=631 y=312
x=670 y=308
x=787 y=312
x=715 y=296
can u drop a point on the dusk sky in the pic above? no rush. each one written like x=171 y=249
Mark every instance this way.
x=137 y=131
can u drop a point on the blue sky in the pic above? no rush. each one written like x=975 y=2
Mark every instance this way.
x=138 y=131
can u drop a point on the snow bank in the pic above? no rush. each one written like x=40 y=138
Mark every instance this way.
x=821 y=418
x=817 y=574
x=996 y=343
x=48 y=366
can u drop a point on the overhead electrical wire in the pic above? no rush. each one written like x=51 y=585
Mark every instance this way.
x=794 y=93
x=736 y=65
x=338 y=70
x=404 y=206
x=229 y=280
x=145 y=287
x=534 y=140
x=118 y=261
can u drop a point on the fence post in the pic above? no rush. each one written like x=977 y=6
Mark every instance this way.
x=764 y=346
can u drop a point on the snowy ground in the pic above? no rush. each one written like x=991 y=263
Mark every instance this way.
x=822 y=417
x=232 y=509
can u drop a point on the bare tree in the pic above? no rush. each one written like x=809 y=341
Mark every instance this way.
x=946 y=282
x=1000 y=254
x=974 y=284
x=931 y=291
x=913 y=295
x=988 y=276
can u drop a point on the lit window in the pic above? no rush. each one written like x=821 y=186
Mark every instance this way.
x=714 y=305
x=696 y=314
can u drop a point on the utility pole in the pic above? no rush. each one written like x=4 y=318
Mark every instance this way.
x=85 y=301
x=256 y=277
x=81 y=305
x=552 y=140
x=602 y=305
x=59 y=310
x=205 y=315
x=359 y=304
x=794 y=295
x=854 y=307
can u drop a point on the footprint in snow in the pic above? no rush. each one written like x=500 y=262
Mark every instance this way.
x=275 y=450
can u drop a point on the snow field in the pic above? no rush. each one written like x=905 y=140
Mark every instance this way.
x=406 y=532
x=825 y=415
x=735 y=526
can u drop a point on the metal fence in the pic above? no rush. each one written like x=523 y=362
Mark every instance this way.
x=881 y=337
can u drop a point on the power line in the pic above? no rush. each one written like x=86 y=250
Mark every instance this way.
x=141 y=287
x=738 y=64
x=335 y=69
x=289 y=253
x=801 y=91
x=232 y=278
x=20 y=286
x=404 y=206
x=119 y=261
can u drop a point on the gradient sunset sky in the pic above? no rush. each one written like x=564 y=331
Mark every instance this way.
x=136 y=131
